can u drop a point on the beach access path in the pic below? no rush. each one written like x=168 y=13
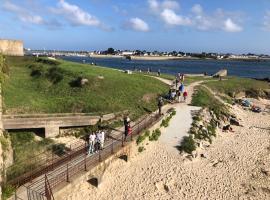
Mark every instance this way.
x=181 y=122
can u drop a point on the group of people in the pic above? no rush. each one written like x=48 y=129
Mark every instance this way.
x=96 y=142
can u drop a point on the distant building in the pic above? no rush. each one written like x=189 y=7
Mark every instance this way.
x=127 y=53
x=11 y=47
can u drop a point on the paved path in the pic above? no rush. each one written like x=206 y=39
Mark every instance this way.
x=181 y=122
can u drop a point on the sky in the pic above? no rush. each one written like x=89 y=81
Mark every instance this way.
x=225 y=26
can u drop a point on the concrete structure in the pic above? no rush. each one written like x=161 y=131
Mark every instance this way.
x=51 y=122
x=11 y=47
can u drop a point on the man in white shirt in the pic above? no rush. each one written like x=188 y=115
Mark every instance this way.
x=101 y=138
x=92 y=138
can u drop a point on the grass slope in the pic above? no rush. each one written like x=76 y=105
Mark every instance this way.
x=23 y=93
x=236 y=84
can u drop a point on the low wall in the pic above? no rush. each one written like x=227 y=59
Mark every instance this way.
x=11 y=47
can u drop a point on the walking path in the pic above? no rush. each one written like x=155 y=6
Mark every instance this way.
x=181 y=122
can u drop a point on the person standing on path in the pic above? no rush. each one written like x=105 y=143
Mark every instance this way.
x=101 y=138
x=185 y=95
x=92 y=138
x=160 y=104
x=126 y=124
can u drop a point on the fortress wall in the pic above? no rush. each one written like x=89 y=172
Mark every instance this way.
x=11 y=47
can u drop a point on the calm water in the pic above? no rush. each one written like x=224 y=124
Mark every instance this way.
x=250 y=69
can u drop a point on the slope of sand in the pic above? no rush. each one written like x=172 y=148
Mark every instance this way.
x=237 y=166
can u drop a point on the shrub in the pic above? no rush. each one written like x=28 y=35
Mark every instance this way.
x=37 y=70
x=141 y=149
x=59 y=149
x=55 y=74
x=155 y=135
x=188 y=144
x=140 y=139
x=48 y=61
x=7 y=191
x=4 y=142
x=76 y=83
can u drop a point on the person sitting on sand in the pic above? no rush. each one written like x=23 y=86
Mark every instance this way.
x=227 y=128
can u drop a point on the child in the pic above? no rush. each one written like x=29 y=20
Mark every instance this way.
x=185 y=95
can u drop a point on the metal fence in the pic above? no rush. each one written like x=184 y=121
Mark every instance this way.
x=48 y=178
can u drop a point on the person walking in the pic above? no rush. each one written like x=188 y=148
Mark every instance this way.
x=159 y=72
x=126 y=125
x=92 y=138
x=185 y=95
x=97 y=143
x=160 y=104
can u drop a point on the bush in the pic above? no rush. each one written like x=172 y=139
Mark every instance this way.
x=141 y=149
x=155 y=135
x=58 y=149
x=4 y=142
x=140 y=139
x=55 y=74
x=48 y=61
x=37 y=70
x=188 y=144
x=7 y=191
x=76 y=83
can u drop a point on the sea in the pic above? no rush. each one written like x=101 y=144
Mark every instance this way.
x=251 y=69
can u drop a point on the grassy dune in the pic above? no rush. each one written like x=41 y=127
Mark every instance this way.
x=23 y=93
x=235 y=85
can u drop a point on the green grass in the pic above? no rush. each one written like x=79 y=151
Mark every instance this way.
x=23 y=93
x=237 y=84
x=27 y=151
x=7 y=191
x=203 y=98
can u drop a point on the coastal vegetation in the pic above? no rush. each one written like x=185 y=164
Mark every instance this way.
x=234 y=85
x=44 y=86
x=165 y=122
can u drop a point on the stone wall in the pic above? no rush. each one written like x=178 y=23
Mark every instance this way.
x=11 y=47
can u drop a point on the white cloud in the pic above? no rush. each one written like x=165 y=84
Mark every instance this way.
x=158 y=6
x=197 y=18
x=171 y=18
x=197 y=9
x=231 y=26
x=153 y=4
x=75 y=15
x=169 y=4
x=266 y=21
x=137 y=24
x=23 y=14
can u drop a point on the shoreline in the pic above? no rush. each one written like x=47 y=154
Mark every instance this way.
x=166 y=58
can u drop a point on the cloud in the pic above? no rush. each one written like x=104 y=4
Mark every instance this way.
x=171 y=18
x=166 y=10
x=159 y=6
x=231 y=26
x=75 y=15
x=266 y=21
x=137 y=24
x=23 y=14
x=197 y=9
